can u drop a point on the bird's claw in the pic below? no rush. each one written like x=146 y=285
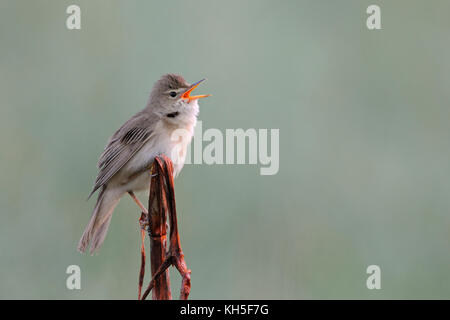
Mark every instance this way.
x=143 y=221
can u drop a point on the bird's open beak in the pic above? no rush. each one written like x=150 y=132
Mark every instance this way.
x=187 y=93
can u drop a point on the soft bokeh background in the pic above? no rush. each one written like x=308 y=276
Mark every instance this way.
x=364 y=145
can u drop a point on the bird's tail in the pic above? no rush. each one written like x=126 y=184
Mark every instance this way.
x=96 y=230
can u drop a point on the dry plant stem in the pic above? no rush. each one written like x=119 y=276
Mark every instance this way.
x=143 y=221
x=175 y=246
x=142 y=270
x=158 y=233
x=175 y=256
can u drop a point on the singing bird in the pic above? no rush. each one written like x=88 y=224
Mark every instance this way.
x=164 y=126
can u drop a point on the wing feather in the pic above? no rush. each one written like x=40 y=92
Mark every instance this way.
x=122 y=146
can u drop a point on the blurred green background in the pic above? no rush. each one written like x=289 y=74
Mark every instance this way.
x=364 y=145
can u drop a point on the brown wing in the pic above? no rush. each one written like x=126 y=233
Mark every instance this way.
x=122 y=146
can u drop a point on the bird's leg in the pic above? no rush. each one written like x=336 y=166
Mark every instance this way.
x=138 y=202
x=143 y=222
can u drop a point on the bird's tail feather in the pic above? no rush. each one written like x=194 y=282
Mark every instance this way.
x=96 y=230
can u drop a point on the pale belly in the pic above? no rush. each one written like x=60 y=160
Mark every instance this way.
x=135 y=175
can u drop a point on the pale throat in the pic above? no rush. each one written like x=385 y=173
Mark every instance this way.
x=178 y=132
x=185 y=116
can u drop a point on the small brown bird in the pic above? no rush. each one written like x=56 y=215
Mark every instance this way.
x=164 y=126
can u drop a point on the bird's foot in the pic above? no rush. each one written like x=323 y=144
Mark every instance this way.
x=143 y=221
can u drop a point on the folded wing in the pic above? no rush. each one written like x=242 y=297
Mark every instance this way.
x=122 y=146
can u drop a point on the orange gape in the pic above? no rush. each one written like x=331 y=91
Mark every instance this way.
x=187 y=93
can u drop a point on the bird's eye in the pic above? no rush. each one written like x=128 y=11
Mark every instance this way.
x=173 y=94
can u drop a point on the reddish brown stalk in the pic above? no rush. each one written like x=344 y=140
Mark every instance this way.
x=142 y=270
x=161 y=204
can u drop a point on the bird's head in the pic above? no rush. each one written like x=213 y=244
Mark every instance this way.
x=171 y=98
